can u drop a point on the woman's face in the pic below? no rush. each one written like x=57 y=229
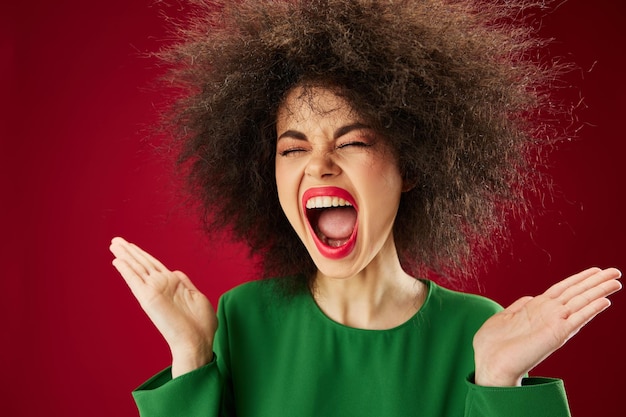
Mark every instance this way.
x=338 y=182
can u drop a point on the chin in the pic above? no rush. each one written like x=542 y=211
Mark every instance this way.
x=335 y=269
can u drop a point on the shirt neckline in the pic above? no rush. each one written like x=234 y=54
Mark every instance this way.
x=430 y=287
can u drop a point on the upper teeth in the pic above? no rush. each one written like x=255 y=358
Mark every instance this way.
x=325 y=202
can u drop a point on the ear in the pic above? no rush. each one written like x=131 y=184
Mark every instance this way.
x=409 y=183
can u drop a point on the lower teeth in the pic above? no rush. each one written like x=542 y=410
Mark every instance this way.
x=336 y=243
x=333 y=243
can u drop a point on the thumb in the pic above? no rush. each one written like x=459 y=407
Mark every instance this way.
x=184 y=279
x=519 y=304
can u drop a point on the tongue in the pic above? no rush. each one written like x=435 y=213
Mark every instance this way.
x=337 y=223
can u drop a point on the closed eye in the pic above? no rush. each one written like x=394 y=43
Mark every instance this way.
x=291 y=151
x=355 y=143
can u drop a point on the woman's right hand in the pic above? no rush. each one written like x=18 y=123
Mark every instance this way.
x=182 y=314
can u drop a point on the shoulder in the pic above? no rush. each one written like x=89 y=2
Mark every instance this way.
x=460 y=305
x=246 y=290
x=460 y=298
x=261 y=293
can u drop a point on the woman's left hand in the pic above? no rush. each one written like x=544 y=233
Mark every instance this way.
x=515 y=340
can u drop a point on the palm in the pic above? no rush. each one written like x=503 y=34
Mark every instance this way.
x=181 y=313
x=517 y=339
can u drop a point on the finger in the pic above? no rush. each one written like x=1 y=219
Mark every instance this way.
x=599 y=291
x=132 y=279
x=146 y=259
x=596 y=280
x=121 y=249
x=518 y=304
x=557 y=289
x=149 y=258
x=117 y=243
x=185 y=280
x=118 y=239
x=583 y=316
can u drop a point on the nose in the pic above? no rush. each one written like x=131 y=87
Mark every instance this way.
x=321 y=165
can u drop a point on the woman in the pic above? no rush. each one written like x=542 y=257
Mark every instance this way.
x=356 y=145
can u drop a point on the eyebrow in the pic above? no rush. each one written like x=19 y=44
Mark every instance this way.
x=294 y=134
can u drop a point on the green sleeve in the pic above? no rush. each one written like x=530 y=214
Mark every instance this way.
x=537 y=397
x=199 y=393
x=196 y=393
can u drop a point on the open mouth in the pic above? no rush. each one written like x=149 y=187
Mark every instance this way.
x=332 y=219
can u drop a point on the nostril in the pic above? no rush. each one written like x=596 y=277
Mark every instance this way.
x=322 y=167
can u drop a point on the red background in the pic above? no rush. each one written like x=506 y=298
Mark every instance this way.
x=75 y=172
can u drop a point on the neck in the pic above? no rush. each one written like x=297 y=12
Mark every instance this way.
x=381 y=296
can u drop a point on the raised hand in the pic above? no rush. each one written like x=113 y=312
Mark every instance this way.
x=181 y=313
x=514 y=341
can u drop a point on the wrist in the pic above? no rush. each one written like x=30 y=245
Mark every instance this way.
x=187 y=360
x=487 y=379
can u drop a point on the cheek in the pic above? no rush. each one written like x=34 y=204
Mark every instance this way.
x=387 y=182
x=383 y=176
x=287 y=187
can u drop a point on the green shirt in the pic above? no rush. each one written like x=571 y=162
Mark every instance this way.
x=282 y=356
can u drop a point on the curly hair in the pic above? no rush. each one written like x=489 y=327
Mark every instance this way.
x=454 y=86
